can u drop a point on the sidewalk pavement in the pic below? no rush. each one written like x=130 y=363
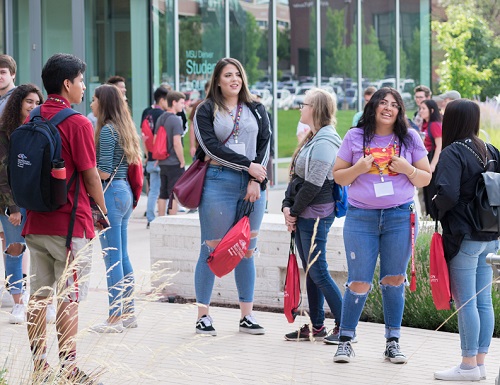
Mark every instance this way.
x=164 y=349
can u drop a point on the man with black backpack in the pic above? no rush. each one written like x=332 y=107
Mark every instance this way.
x=54 y=258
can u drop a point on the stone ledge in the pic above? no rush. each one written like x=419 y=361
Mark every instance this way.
x=176 y=240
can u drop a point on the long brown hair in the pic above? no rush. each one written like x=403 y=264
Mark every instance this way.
x=215 y=93
x=11 y=116
x=113 y=110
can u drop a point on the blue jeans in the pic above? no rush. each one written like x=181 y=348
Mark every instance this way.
x=470 y=274
x=368 y=233
x=319 y=282
x=222 y=198
x=154 y=188
x=120 y=275
x=14 y=263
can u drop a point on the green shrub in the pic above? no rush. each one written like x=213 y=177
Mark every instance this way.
x=419 y=308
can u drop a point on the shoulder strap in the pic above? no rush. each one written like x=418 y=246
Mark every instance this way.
x=62 y=115
x=474 y=152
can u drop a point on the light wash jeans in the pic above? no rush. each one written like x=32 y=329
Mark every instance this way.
x=120 y=275
x=319 y=282
x=368 y=233
x=470 y=274
x=154 y=188
x=223 y=193
x=14 y=263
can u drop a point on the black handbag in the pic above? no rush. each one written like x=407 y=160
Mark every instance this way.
x=483 y=211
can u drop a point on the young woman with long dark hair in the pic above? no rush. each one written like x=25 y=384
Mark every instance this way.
x=463 y=159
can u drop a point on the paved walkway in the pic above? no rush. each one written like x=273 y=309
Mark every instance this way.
x=165 y=350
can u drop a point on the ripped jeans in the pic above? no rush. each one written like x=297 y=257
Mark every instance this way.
x=13 y=263
x=368 y=233
x=223 y=193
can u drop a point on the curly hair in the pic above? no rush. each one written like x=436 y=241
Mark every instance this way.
x=11 y=117
x=113 y=109
x=368 y=120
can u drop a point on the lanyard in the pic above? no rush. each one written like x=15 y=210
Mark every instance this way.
x=380 y=168
x=236 y=124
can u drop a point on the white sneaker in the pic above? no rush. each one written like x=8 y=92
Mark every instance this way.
x=18 y=314
x=130 y=322
x=482 y=371
x=457 y=374
x=106 y=327
x=51 y=313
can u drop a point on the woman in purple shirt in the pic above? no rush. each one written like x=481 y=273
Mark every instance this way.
x=383 y=162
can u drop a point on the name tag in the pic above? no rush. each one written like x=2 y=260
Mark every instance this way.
x=383 y=189
x=238 y=148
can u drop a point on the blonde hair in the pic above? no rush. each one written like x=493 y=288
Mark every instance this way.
x=324 y=109
x=113 y=110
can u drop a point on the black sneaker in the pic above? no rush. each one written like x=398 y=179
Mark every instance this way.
x=393 y=353
x=249 y=325
x=304 y=334
x=333 y=337
x=344 y=352
x=204 y=326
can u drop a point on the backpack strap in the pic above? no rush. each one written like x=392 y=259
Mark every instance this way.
x=62 y=115
x=76 y=179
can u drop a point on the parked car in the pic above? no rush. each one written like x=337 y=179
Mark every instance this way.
x=284 y=99
x=349 y=100
x=300 y=95
x=266 y=97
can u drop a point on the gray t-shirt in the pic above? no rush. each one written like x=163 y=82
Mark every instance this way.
x=173 y=126
x=248 y=130
x=3 y=100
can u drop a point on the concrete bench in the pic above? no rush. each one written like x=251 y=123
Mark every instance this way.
x=175 y=245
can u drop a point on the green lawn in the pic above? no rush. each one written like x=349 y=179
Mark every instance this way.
x=287 y=129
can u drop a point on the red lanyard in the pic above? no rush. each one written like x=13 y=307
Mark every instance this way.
x=236 y=125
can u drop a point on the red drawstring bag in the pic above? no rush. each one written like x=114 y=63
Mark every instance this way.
x=291 y=301
x=233 y=246
x=135 y=177
x=438 y=273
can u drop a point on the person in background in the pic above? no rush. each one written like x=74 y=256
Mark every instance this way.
x=193 y=144
x=433 y=131
x=117 y=146
x=118 y=81
x=8 y=69
x=46 y=232
x=367 y=94
x=233 y=134
x=171 y=168
x=464 y=248
x=152 y=114
x=382 y=161
x=309 y=210
x=17 y=109
x=420 y=93
x=448 y=97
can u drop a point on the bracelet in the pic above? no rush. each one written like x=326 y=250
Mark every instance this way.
x=413 y=173
x=254 y=180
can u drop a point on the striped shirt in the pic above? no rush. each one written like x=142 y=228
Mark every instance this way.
x=110 y=153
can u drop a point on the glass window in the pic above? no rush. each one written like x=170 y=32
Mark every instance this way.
x=162 y=42
x=57 y=31
x=2 y=26
x=21 y=40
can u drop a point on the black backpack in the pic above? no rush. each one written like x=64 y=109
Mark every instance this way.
x=34 y=147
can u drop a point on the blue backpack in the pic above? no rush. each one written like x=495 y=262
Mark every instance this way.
x=34 y=147
x=340 y=197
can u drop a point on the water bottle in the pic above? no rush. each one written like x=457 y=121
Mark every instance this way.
x=58 y=183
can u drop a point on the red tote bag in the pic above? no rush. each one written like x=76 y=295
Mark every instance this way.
x=291 y=291
x=135 y=177
x=438 y=273
x=233 y=246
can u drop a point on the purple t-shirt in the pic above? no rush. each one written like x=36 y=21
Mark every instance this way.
x=362 y=190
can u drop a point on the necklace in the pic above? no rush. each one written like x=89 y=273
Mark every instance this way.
x=384 y=149
x=56 y=100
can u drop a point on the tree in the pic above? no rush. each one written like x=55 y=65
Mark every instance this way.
x=460 y=38
x=337 y=56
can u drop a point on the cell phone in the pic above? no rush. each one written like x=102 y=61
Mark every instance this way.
x=98 y=214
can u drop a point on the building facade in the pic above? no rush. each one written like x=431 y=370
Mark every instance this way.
x=342 y=44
